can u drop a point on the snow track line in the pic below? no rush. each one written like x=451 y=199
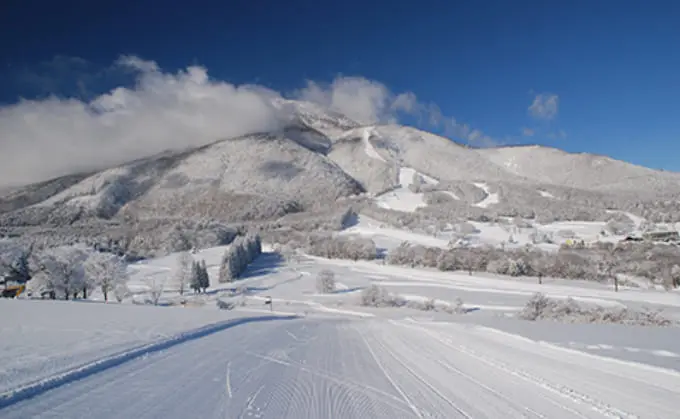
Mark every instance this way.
x=36 y=388
x=560 y=390
x=498 y=394
x=228 y=384
x=348 y=383
x=452 y=368
x=427 y=384
x=391 y=380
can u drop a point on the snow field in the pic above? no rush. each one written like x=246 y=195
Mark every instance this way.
x=491 y=198
x=338 y=358
x=44 y=338
x=381 y=369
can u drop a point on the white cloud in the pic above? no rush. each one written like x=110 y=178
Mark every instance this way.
x=370 y=102
x=362 y=100
x=528 y=132
x=544 y=106
x=52 y=137
x=163 y=111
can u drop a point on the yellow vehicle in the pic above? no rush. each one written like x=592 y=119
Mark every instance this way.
x=13 y=291
x=11 y=288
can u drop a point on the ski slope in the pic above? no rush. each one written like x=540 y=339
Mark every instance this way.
x=491 y=198
x=323 y=368
x=402 y=198
x=327 y=356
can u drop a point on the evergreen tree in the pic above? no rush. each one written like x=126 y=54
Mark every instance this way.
x=195 y=282
x=227 y=267
x=204 y=278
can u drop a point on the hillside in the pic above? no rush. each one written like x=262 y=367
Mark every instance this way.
x=581 y=170
x=271 y=170
x=411 y=177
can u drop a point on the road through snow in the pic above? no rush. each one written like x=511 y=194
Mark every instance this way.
x=334 y=368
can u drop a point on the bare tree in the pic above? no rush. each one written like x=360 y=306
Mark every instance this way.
x=541 y=266
x=156 y=288
x=606 y=266
x=184 y=272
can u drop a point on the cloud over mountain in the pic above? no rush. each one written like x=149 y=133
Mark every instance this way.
x=44 y=138
x=545 y=106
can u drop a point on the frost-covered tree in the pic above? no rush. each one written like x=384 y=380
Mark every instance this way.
x=41 y=285
x=156 y=287
x=64 y=267
x=184 y=272
x=325 y=281
x=473 y=259
x=106 y=271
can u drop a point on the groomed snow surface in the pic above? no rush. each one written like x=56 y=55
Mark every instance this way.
x=402 y=198
x=324 y=355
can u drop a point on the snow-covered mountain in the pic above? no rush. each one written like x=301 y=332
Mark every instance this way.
x=319 y=157
x=580 y=170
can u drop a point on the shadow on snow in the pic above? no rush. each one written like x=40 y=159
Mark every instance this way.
x=37 y=388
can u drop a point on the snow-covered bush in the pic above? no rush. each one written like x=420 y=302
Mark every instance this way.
x=325 y=282
x=121 y=291
x=538 y=236
x=540 y=307
x=507 y=266
x=376 y=296
x=341 y=247
x=225 y=304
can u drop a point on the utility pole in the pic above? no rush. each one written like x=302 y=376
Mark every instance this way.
x=268 y=300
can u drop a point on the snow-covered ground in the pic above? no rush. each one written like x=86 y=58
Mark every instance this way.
x=493 y=234
x=402 y=198
x=43 y=338
x=491 y=198
x=313 y=355
x=318 y=367
x=368 y=147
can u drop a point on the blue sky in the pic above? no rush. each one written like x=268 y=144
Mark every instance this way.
x=604 y=76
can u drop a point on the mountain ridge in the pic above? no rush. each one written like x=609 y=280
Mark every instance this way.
x=319 y=157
